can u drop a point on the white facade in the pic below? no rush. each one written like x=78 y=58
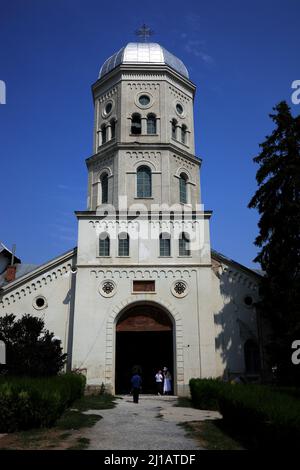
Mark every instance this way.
x=86 y=292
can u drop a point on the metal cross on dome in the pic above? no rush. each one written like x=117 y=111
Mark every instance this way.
x=144 y=32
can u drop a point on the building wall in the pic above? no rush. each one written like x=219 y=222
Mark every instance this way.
x=54 y=285
x=144 y=240
x=235 y=322
x=96 y=316
x=166 y=167
x=211 y=321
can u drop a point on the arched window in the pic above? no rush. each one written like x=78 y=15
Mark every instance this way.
x=136 y=124
x=164 y=244
x=123 y=244
x=144 y=183
x=183 y=188
x=104 y=188
x=251 y=355
x=183 y=134
x=104 y=245
x=151 y=124
x=184 y=245
x=113 y=128
x=103 y=131
x=173 y=127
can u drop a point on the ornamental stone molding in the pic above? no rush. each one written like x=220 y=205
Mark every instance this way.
x=148 y=274
x=141 y=154
x=184 y=163
x=102 y=163
x=34 y=286
x=108 y=94
x=117 y=311
x=183 y=169
x=235 y=276
x=107 y=288
x=179 y=289
x=143 y=86
x=179 y=95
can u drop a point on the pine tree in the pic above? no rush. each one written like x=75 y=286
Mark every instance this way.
x=277 y=200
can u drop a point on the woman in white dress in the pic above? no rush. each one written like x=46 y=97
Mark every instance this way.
x=167 y=381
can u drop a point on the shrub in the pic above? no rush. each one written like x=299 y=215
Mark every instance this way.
x=31 y=402
x=30 y=349
x=263 y=416
x=205 y=393
x=268 y=418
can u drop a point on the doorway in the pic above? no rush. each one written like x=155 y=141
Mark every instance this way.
x=144 y=341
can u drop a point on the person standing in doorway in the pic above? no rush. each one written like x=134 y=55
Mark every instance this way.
x=167 y=382
x=136 y=383
x=159 y=379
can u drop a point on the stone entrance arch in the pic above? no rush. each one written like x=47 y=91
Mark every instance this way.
x=111 y=333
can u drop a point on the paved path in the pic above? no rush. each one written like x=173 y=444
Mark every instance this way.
x=149 y=425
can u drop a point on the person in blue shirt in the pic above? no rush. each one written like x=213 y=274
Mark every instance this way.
x=136 y=383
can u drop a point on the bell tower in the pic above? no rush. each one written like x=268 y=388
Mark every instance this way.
x=143 y=242
x=143 y=102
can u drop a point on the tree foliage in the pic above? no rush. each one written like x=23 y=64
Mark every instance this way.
x=277 y=200
x=30 y=349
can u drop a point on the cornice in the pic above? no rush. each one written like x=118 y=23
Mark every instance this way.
x=162 y=71
x=183 y=216
x=108 y=150
x=39 y=271
x=145 y=266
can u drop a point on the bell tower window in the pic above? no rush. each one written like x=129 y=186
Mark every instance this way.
x=104 y=245
x=183 y=134
x=123 y=244
x=184 y=245
x=103 y=131
x=113 y=128
x=104 y=188
x=173 y=128
x=136 y=124
x=183 y=188
x=151 y=124
x=144 y=183
x=164 y=244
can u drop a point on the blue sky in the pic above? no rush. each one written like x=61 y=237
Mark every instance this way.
x=242 y=56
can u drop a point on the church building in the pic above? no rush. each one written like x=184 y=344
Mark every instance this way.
x=143 y=286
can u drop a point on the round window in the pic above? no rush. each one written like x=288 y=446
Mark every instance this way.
x=144 y=100
x=108 y=108
x=179 y=108
x=248 y=300
x=40 y=302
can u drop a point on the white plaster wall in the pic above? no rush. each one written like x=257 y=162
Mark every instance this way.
x=96 y=316
x=144 y=241
x=53 y=284
x=235 y=322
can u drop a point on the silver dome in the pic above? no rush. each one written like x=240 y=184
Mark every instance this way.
x=143 y=53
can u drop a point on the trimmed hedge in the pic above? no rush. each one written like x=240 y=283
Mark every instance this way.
x=263 y=416
x=205 y=393
x=31 y=402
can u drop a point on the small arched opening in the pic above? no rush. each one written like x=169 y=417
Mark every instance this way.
x=252 y=357
x=136 y=124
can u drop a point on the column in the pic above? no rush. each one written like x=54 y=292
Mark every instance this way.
x=144 y=125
